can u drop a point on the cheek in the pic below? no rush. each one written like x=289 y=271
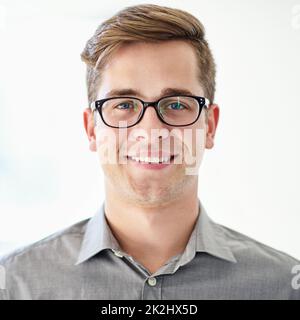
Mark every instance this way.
x=194 y=136
x=107 y=144
x=111 y=145
x=194 y=142
x=199 y=137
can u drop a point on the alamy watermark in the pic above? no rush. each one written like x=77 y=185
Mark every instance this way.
x=2 y=278
x=296 y=279
x=186 y=144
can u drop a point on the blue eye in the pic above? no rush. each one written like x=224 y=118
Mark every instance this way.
x=124 y=105
x=130 y=105
x=177 y=106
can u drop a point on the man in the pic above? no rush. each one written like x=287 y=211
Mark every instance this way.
x=151 y=114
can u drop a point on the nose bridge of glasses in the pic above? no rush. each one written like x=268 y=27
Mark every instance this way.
x=150 y=104
x=155 y=116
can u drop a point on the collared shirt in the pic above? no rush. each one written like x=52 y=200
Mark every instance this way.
x=85 y=261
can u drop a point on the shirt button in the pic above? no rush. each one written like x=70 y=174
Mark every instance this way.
x=152 y=282
x=117 y=253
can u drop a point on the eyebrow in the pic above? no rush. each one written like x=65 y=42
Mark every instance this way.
x=131 y=92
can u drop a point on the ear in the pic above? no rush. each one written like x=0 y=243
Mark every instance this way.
x=88 y=120
x=212 y=122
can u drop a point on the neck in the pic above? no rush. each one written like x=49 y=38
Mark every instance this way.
x=160 y=231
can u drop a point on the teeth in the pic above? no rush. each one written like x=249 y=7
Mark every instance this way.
x=149 y=159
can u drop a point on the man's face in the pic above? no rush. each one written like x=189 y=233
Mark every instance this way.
x=149 y=71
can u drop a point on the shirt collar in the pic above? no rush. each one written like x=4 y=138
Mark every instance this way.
x=210 y=237
x=97 y=237
x=207 y=236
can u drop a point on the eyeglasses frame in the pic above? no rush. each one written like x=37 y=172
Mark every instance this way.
x=202 y=102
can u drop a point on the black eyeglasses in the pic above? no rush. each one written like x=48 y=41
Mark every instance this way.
x=175 y=110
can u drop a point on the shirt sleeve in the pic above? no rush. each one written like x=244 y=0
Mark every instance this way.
x=3 y=294
x=3 y=281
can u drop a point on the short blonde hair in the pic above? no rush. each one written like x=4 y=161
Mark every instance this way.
x=147 y=23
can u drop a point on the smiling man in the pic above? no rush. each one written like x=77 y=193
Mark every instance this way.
x=151 y=203
x=151 y=115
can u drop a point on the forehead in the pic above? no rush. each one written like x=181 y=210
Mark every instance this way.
x=149 y=67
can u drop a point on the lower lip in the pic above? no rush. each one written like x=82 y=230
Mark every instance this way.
x=153 y=166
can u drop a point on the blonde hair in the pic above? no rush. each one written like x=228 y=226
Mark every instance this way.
x=147 y=23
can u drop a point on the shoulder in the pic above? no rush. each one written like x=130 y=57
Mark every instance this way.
x=59 y=241
x=47 y=256
x=245 y=246
x=262 y=263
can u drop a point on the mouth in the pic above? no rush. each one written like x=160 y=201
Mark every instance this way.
x=151 y=162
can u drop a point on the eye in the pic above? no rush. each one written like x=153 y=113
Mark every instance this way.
x=176 y=106
x=128 y=105
x=124 y=106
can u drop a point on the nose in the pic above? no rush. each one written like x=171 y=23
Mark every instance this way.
x=150 y=119
x=148 y=123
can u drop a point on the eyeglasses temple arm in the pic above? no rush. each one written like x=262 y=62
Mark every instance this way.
x=207 y=103
x=93 y=106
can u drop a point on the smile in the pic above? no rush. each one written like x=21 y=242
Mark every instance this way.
x=151 y=159
x=152 y=163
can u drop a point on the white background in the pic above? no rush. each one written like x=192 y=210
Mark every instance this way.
x=48 y=177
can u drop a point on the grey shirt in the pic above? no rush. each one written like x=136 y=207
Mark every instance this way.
x=85 y=261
